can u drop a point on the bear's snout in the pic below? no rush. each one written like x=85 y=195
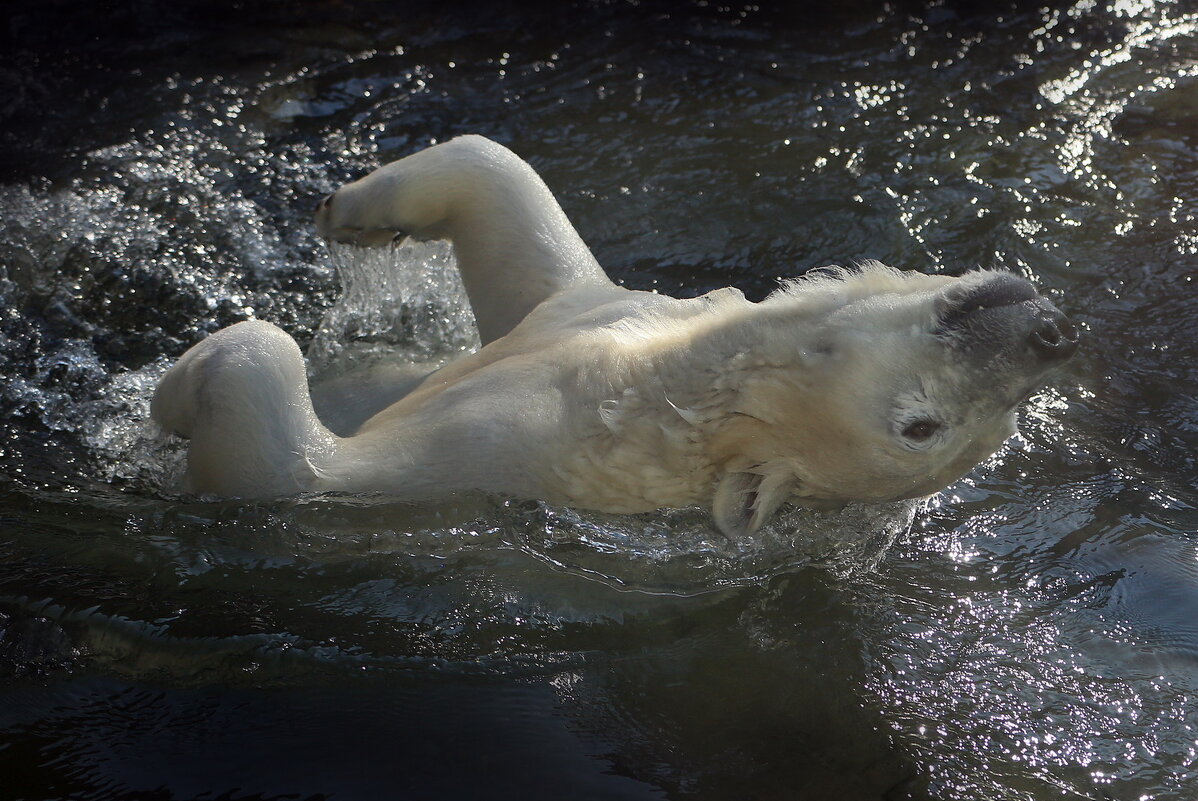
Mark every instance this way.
x=1055 y=337
x=981 y=291
x=988 y=308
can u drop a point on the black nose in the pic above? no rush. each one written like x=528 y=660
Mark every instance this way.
x=325 y=201
x=1055 y=337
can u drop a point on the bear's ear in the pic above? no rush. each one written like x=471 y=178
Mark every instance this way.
x=745 y=501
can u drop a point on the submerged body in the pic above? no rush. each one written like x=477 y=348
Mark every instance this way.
x=858 y=385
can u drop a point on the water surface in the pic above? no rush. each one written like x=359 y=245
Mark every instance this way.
x=1027 y=634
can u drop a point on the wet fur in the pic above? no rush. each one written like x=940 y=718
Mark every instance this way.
x=586 y=393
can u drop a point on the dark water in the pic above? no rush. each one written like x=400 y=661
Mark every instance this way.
x=1031 y=633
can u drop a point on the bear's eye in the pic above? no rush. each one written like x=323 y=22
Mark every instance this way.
x=921 y=430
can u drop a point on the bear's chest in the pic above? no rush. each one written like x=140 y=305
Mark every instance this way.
x=634 y=454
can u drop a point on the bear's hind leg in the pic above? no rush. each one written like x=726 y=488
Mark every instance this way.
x=241 y=397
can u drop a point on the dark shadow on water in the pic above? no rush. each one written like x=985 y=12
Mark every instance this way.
x=90 y=737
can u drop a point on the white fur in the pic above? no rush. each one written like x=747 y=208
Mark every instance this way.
x=589 y=394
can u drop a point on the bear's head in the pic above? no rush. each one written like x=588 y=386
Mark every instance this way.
x=875 y=385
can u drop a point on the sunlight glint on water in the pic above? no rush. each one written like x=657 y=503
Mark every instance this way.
x=1028 y=634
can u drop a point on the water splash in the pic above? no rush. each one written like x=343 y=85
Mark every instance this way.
x=680 y=550
x=112 y=422
x=123 y=268
x=403 y=304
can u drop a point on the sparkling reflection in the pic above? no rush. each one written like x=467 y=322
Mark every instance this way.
x=1029 y=633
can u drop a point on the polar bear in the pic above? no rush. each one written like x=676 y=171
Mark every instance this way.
x=864 y=384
